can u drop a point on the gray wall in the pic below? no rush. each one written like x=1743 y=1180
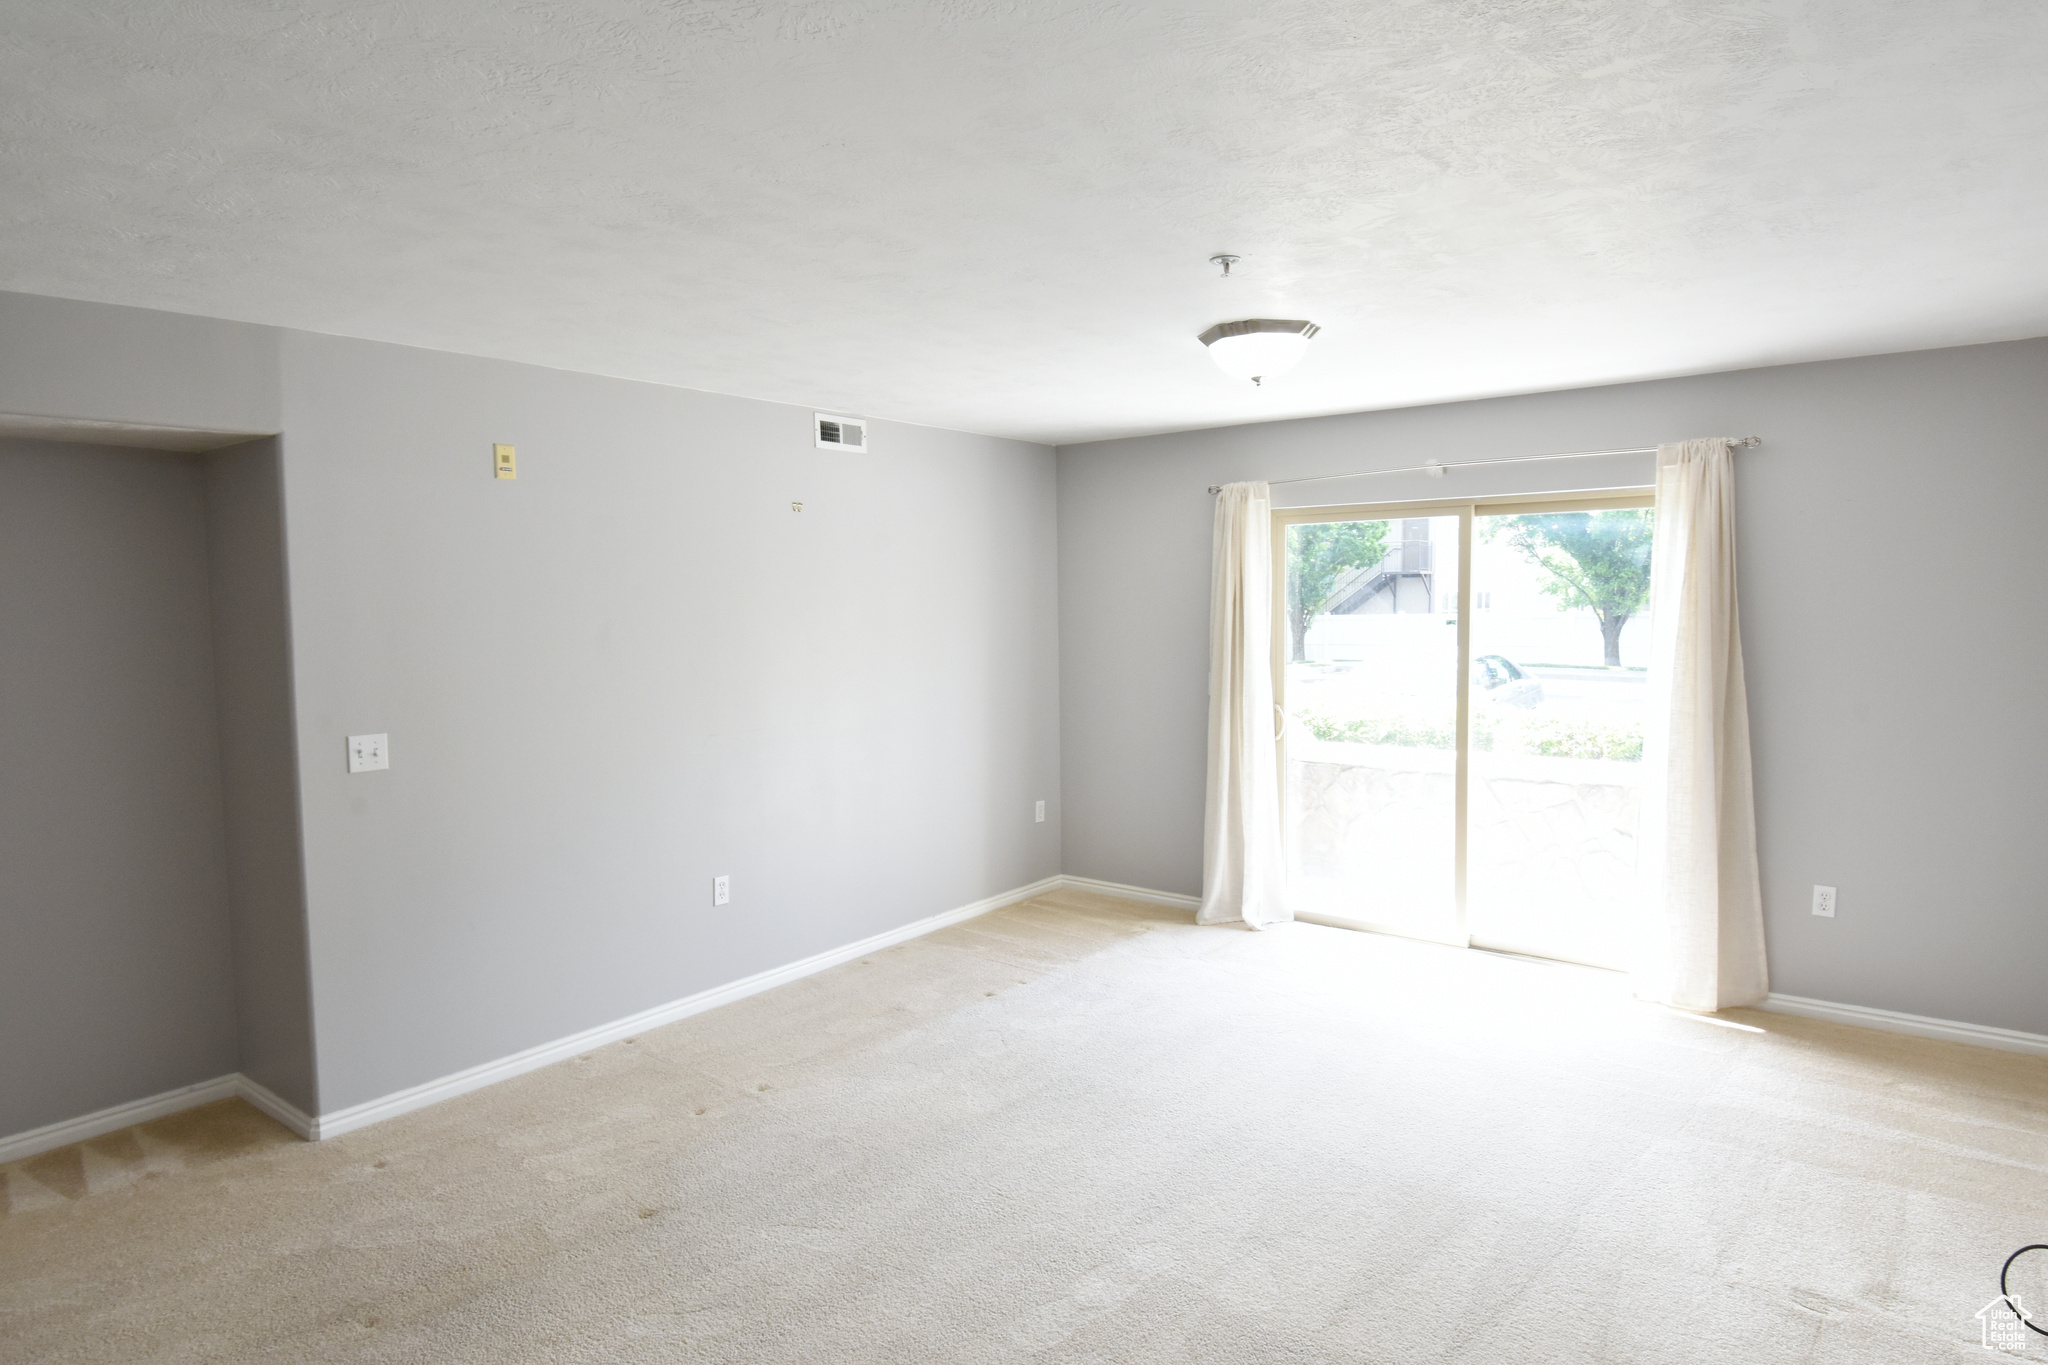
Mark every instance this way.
x=1894 y=628
x=635 y=668
x=98 y=362
x=630 y=670
x=115 y=971
x=259 y=769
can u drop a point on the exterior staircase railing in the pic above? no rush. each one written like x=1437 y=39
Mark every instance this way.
x=1403 y=559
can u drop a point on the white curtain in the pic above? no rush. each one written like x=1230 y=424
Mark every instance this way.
x=1702 y=946
x=1243 y=861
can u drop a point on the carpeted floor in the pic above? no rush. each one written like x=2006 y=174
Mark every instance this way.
x=1084 y=1130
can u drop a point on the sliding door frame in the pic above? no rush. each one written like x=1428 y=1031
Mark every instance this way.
x=1467 y=511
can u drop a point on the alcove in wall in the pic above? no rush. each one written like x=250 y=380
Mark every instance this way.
x=152 y=903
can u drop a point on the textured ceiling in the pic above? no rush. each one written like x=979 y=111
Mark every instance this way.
x=996 y=216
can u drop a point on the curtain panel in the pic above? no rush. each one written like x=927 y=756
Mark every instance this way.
x=1243 y=859
x=1702 y=943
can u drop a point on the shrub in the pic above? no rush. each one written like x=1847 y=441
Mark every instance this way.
x=1564 y=737
x=1548 y=736
x=1436 y=731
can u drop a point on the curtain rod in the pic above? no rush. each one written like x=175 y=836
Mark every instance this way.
x=1437 y=467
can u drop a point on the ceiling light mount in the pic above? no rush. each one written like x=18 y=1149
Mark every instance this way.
x=1226 y=262
x=1257 y=348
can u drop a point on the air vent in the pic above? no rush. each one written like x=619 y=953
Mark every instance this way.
x=841 y=433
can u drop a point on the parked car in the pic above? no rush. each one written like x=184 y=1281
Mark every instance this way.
x=1497 y=681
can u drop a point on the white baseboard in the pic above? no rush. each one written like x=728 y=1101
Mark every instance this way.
x=475 y=1078
x=275 y=1105
x=68 y=1131
x=1919 y=1025
x=489 y=1073
x=55 y=1135
x=1129 y=893
x=1863 y=1016
x=120 y=1116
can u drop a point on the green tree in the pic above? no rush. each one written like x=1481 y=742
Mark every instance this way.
x=1316 y=555
x=1599 y=560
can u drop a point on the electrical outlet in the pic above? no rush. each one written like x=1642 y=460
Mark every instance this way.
x=1040 y=816
x=721 y=890
x=368 y=753
x=1824 y=901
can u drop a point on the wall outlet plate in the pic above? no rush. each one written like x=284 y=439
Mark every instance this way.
x=368 y=753
x=1039 y=815
x=1824 y=901
x=721 y=890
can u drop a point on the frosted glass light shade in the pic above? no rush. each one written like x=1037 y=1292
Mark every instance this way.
x=1258 y=348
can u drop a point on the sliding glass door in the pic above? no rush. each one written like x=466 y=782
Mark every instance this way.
x=1370 y=681
x=1463 y=691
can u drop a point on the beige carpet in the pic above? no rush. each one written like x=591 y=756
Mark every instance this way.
x=1084 y=1130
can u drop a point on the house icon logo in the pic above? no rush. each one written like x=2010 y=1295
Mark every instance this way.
x=2005 y=1325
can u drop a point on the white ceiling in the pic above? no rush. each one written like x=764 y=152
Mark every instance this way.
x=994 y=215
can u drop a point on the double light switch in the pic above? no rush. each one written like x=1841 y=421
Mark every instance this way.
x=368 y=753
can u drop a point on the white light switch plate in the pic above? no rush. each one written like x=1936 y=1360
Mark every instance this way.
x=368 y=753
x=1039 y=814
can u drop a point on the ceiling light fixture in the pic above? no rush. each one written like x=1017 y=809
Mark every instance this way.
x=1258 y=347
